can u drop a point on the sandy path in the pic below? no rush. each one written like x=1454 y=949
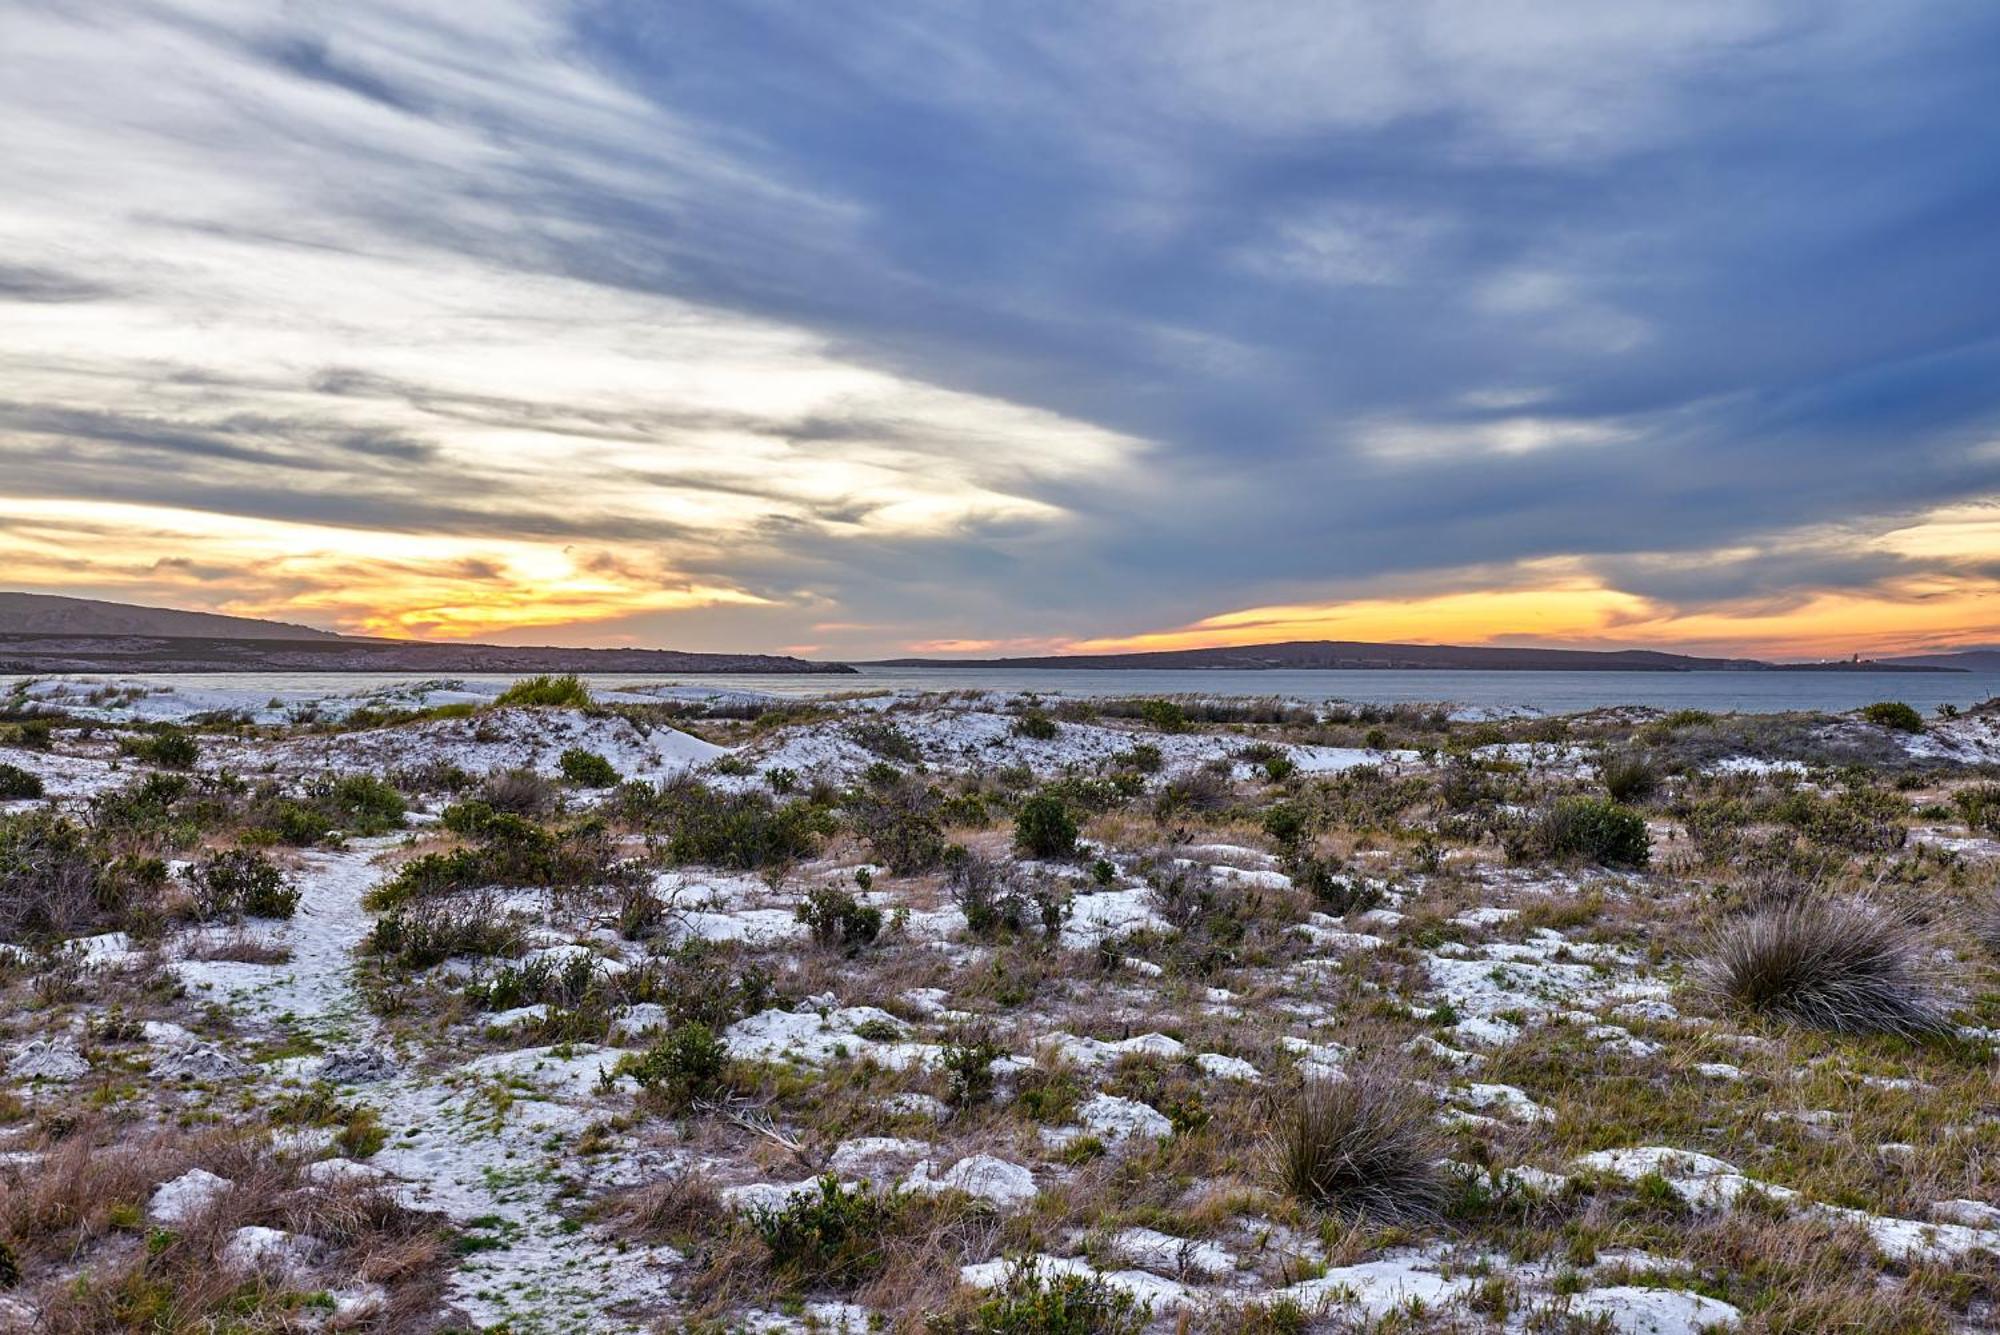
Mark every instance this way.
x=485 y=1141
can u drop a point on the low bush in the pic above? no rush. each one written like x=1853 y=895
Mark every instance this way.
x=838 y=920
x=587 y=769
x=421 y=934
x=1027 y=1303
x=834 y=1235
x=169 y=747
x=879 y=737
x=1036 y=726
x=1893 y=715
x=967 y=1062
x=1044 y=828
x=546 y=691
x=745 y=831
x=1846 y=965
x=239 y=883
x=519 y=792
x=903 y=823
x=682 y=1067
x=1198 y=792
x=17 y=783
x=50 y=879
x=1364 y=1147
x=1582 y=827
x=997 y=899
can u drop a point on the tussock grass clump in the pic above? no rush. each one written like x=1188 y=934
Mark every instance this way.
x=1366 y=1146
x=1847 y=965
x=564 y=692
x=1629 y=776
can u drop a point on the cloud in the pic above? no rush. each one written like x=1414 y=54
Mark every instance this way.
x=1025 y=322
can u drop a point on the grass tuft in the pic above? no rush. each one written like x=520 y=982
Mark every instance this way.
x=1366 y=1146
x=1846 y=965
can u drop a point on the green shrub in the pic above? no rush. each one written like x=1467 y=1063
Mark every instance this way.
x=587 y=769
x=1583 y=827
x=567 y=691
x=967 y=1063
x=1859 y=819
x=1979 y=806
x=1036 y=726
x=421 y=934
x=996 y=899
x=903 y=822
x=1144 y=758
x=1894 y=715
x=835 y=1235
x=51 y=881
x=1044 y=828
x=17 y=783
x=744 y=831
x=686 y=1065
x=882 y=738
x=838 y=919
x=1164 y=715
x=1026 y=1303
x=239 y=883
x=169 y=748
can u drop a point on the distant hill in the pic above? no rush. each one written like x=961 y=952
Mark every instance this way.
x=40 y=633
x=1967 y=660
x=1357 y=654
x=49 y=614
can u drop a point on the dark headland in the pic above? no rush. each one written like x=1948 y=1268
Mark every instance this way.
x=1349 y=655
x=42 y=634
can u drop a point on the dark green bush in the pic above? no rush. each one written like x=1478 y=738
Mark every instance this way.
x=1026 y=1303
x=1590 y=828
x=684 y=1066
x=587 y=769
x=745 y=830
x=1044 y=828
x=50 y=882
x=1894 y=715
x=420 y=934
x=239 y=883
x=882 y=738
x=169 y=748
x=17 y=783
x=835 y=1236
x=1036 y=726
x=837 y=919
x=967 y=1062
x=903 y=823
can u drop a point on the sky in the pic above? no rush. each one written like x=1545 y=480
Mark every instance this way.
x=868 y=327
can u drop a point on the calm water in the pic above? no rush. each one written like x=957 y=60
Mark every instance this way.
x=1552 y=692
